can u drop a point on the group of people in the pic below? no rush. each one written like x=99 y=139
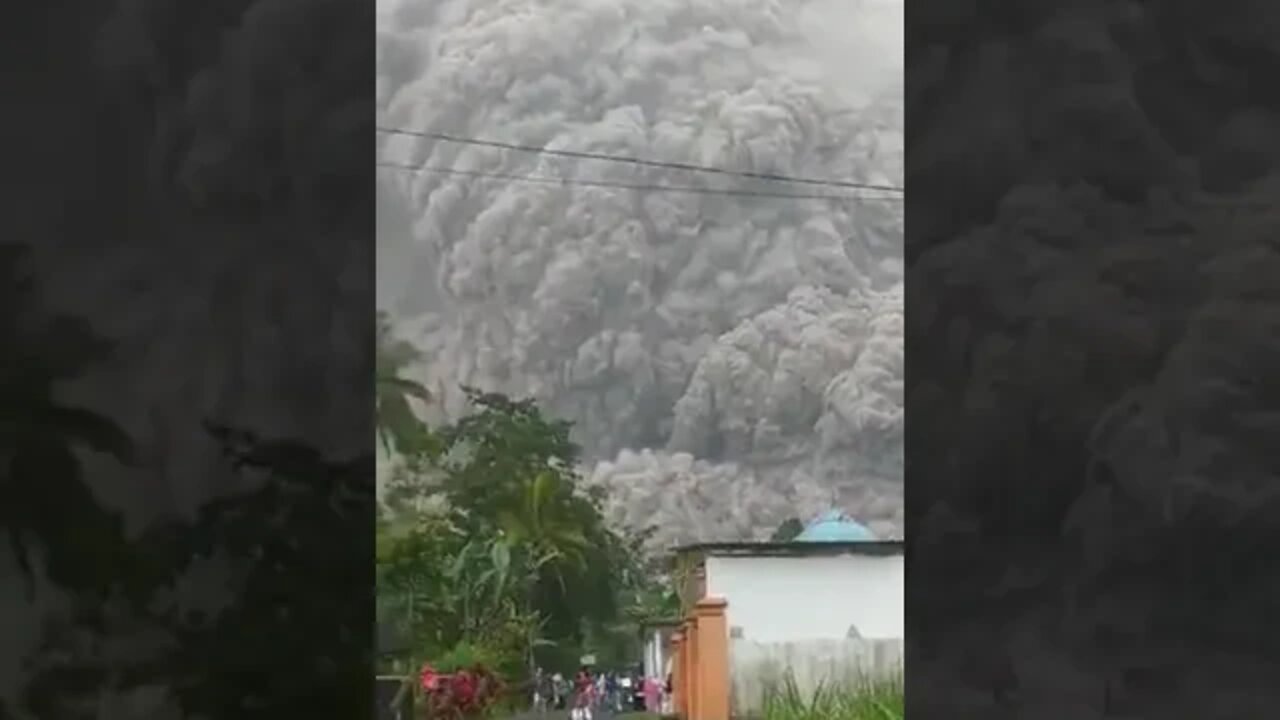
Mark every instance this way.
x=590 y=691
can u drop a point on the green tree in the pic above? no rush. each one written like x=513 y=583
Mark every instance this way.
x=646 y=593
x=328 y=502
x=544 y=523
x=45 y=500
x=399 y=428
x=242 y=661
x=789 y=530
x=500 y=447
x=516 y=478
x=413 y=584
x=516 y=560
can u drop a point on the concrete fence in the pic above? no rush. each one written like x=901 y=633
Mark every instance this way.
x=754 y=666
x=386 y=692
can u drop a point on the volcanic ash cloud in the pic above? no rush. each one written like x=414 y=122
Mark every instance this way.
x=749 y=333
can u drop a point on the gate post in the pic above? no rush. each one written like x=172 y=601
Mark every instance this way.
x=679 y=666
x=712 y=665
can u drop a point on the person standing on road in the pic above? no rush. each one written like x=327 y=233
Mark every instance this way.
x=558 y=691
x=620 y=683
x=542 y=691
x=584 y=690
x=651 y=694
x=611 y=692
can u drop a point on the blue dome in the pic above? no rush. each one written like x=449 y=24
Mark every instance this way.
x=835 y=526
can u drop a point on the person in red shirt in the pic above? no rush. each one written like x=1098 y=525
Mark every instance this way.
x=584 y=694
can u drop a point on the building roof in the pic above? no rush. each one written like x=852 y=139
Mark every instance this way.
x=832 y=533
x=795 y=549
x=835 y=526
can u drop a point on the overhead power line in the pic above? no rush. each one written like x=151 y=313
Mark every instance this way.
x=688 y=167
x=629 y=186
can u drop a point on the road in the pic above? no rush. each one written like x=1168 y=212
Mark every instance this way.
x=564 y=715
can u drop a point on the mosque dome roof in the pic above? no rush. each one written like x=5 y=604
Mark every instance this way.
x=835 y=526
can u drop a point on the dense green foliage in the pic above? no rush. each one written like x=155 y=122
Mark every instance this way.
x=242 y=661
x=489 y=541
x=234 y=659
x=397 y=425
x=46 y=508
x=489 y=550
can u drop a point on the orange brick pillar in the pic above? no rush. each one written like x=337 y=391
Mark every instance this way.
x=691 y=667
x=713 y=660
x=679 y=690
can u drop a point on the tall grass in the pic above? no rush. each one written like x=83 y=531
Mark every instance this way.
x=849 y=700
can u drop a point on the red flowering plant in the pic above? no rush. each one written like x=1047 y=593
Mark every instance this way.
x=468 y=692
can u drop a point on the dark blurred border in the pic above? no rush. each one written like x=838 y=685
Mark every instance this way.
x=186 y=360
x=1092 y=341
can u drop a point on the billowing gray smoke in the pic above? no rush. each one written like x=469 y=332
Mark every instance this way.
x=728 y=362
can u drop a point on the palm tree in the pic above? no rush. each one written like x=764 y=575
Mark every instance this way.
x=542 y=523
x=549 y=533
x=43 y=494
x=398 y=426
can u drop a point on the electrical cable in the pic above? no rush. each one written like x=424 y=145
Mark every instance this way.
x=687 y=167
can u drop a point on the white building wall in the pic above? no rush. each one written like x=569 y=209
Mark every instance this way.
x=793 y=598
x=655 y=653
